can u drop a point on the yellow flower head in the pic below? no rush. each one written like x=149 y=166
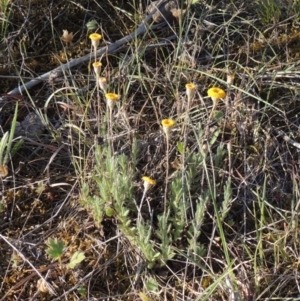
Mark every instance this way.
x=97 y=68
x=190 y=86
x=148 y=183
x=67 y=37
x=95 y=37
x=216 y=93
x=190 y=90
x=111 y=98
x=167 y=124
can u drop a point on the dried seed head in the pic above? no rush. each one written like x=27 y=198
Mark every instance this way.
x=103 y=83
x=97 y=68
x=190 y=91
x=67 y=37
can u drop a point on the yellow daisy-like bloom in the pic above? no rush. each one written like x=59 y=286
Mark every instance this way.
x=190 y=90
x=97 y=68
x=148 y=183
x=95 y=37
x=112 y=96
x=216 y=94
x=111 y=99
x=167 y=124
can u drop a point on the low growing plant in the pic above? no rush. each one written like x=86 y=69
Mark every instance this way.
x=6 y=142
x=269 y=11
x=56 y=250
x=5 y=13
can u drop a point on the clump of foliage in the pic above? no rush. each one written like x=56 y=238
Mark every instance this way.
x=168 y=169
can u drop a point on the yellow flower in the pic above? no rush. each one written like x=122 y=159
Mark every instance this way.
x=167 y=124
x=190 y=90
x=67 y=37
x=97 y=68
x=112 y=96
x=111 y=99
x=95 y=37
x=148 y=183
x=216 y=94
x=103 y=83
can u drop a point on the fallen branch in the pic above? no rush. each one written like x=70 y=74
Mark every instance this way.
x=142 y=28
x=107 y=49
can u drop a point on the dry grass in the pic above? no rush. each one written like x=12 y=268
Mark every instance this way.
x=221 y=223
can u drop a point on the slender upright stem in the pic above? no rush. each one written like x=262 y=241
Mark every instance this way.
x=110 y=129
x=167 y=172
x=140 y=206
